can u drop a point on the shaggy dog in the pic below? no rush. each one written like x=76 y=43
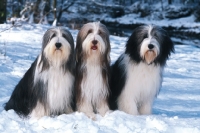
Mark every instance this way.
x=92 y=69
x=137 y=74
x=46 y=89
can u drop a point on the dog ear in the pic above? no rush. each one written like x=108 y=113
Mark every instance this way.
x=108 y=57
x=167 y=43
x=77 y=48
x=76 y=58
x=107 y=39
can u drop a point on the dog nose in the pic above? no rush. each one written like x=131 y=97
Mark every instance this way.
x=94 y=42
x=58 y=45
x=150 y=46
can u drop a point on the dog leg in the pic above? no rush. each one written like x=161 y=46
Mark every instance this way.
x=146 y=108
x=38 y=111
x=68 y=110
x=102 y=108
x=86 y=107
x=129 y=107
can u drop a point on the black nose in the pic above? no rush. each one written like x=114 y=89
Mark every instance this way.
x=58 y=45
x=94 y=42
x=150 y=46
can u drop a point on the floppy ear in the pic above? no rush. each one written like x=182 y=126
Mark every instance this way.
x=108 y=49
x=167 y=44
x=105 y=36
x=78 y=49
x=133 y=43
x=76 y=57
x=49 y=34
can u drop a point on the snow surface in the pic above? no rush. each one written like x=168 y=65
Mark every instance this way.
x=175 y=110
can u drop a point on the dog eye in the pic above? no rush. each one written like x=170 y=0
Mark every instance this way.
x=64 y=36
x=145 y=36
x=99 y=32
x=89 y=31
x=155 y=35
x=54 y=35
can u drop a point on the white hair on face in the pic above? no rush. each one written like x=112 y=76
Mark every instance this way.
x=57 y=56
x=94 y=35
x=149 y=54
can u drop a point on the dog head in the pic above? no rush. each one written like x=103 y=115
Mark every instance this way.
x=57 y=46
x=150 y=44
x=93 y=40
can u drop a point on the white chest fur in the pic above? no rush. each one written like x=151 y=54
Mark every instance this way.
x=94 y=91
x=93 y=87
x=59 y=90
x=142 y=84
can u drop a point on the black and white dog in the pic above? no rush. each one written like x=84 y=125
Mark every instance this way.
x=92 y=69
x=47 y=86
x=137 y=74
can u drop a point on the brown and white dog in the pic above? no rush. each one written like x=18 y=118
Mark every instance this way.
x=92 y=69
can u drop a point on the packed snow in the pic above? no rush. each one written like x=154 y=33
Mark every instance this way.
x=176 y=109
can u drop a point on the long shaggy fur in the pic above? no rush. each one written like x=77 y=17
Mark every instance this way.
x=92 y=69
x=47 y=86
x=137 y=74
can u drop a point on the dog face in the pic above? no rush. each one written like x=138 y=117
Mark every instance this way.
x=150 y=44
x=93 y=39
x=57 y=46
x=150 y=47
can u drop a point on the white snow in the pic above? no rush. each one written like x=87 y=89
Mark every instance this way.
x=175 y=110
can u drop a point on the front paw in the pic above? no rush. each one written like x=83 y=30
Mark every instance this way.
x=103 y=110
x=91 y=116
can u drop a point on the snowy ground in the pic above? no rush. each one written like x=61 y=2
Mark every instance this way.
x=176 y=109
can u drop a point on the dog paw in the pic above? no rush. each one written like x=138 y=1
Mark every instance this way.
x=109 y=111
x=91 y=116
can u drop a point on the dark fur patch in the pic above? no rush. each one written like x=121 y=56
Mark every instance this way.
x=117 y=82
x=23 y=98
